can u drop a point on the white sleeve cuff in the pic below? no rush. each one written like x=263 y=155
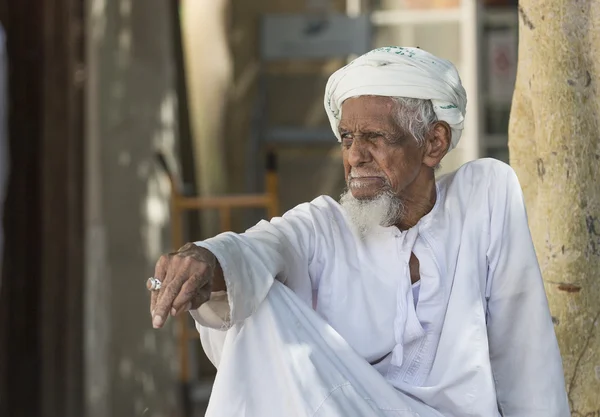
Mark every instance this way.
x=215 y=313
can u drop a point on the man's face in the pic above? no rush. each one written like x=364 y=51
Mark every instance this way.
x=378 y=156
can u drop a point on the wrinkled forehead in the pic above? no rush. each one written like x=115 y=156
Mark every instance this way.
x=367 y=109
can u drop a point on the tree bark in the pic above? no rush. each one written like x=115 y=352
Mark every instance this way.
x=555 y=149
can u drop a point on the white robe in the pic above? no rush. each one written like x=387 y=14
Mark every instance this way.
x=480 y=341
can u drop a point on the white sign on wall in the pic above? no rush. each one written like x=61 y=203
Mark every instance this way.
x=502 y=64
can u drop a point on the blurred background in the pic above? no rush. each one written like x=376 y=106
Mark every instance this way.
x=128 y=128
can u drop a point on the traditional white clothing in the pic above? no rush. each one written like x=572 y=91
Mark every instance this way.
x=478 y=342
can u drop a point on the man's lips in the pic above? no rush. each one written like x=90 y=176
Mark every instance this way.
x=365 y=181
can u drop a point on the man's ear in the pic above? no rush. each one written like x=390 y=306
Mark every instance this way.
x=437 y=143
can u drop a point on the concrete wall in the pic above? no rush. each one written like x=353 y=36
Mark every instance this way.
x=131 y=369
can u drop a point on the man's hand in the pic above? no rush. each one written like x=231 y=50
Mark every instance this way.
x=187 y=281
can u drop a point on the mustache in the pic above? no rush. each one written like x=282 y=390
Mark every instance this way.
x=352 y=175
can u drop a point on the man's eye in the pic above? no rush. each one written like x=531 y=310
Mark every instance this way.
x=346 y=139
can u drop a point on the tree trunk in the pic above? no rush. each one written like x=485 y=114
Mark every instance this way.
x=554 y=148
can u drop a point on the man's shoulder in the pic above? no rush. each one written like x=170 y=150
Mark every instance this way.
x=326 y=202
x=322 y=202
x=485 y=166
x=324 y=214
x=484 y=172
x=323 y=206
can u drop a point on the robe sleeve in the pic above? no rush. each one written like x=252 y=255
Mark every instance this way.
x=524 y=352
x=281 y=249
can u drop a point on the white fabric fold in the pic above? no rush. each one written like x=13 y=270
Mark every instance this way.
x=285 y=360
x=215 y=313
x=400 y=72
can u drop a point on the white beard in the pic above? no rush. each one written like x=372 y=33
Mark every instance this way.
x=384 y=210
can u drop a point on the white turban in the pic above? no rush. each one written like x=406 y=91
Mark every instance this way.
x=400 y=72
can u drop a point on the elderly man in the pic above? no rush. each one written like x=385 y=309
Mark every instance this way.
x=410 y=297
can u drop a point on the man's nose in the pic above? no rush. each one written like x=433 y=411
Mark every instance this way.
x=358 y=154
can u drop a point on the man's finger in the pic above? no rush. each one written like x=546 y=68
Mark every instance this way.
x=153 y=298
x=174 y=266
x=160 y=271
x=166 y=297
x=194 y=292
x=186 y=247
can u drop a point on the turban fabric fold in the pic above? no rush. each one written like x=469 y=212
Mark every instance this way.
x=400 y=72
